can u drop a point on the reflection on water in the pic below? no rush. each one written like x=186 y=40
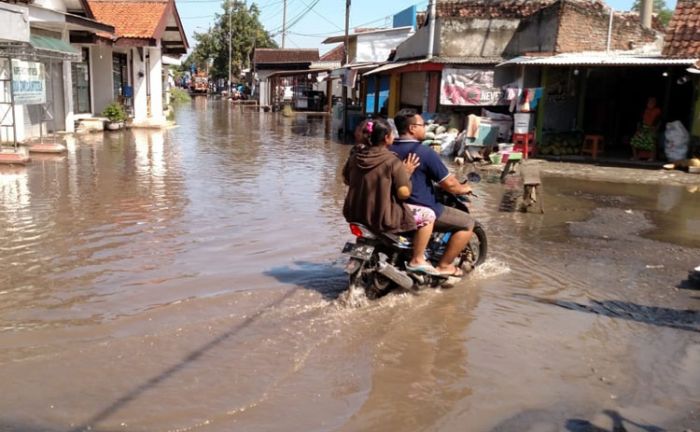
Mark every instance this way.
x=147 y=266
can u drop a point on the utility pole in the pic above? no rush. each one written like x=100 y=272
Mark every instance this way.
x=284 y=23
x=346 y=60
x=230 y=30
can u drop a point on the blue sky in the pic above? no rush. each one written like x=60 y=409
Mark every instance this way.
x=317 y=19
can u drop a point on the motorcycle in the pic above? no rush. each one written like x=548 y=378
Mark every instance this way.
x=377 y=261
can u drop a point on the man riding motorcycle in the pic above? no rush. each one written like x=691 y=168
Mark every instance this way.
x=411 y=129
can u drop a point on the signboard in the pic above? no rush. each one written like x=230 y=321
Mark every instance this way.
x=470 y=87
x=28 y=82
x=406 y=18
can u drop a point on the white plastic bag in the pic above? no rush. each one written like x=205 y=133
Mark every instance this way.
x=677 y=139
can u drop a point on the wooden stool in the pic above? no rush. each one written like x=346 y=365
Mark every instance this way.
x=593 y=145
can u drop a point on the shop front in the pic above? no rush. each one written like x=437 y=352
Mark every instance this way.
x=594 y=106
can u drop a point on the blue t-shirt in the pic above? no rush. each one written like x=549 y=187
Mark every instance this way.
x=431 y=169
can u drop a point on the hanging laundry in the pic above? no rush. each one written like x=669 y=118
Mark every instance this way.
x=536 y=96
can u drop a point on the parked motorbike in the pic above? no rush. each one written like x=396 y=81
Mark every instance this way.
x=377 y=261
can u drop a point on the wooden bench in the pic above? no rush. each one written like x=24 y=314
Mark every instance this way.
x=532 y=186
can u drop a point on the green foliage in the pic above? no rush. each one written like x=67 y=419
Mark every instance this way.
x=114 y=112
x=178 y=95
x=659 y=7
x=246 y=33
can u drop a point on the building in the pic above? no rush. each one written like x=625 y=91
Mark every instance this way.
x=683 y=41
x=36 y=54
x=284 y=75
x=593 y=67
x=128 y=66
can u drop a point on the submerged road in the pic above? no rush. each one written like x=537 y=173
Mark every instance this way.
x=188 y=280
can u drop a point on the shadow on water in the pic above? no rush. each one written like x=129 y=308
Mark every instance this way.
x=186 y=361
x=687 y=319
x=325 y=279
x=530 y=418
x=618 y=424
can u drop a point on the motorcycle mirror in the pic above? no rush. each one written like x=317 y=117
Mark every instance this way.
x=473 y=177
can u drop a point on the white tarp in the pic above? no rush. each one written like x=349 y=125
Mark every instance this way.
x=470 y=87
x=28 y=82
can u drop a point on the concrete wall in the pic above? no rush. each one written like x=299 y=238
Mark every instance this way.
x=416 y=46
x=475 y=37
x=102 y=80
x=537 y=33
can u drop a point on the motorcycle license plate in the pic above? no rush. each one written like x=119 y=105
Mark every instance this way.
x=359 y=251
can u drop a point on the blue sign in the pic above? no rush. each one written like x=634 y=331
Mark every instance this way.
x=406 y=18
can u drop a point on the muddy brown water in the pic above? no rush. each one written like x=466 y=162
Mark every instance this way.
x=188 y=279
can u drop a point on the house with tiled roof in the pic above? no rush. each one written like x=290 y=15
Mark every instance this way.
x=683 y=34
x=127 y=66
x=683 y=41
x=285 y=75
x=35 y=45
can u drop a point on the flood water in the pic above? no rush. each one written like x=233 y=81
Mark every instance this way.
x=188 y=280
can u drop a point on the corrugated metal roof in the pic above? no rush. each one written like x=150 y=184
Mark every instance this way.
x=396 y=65
x=468 y=60
x=598 y=59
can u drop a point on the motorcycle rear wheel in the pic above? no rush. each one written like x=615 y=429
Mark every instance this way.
x=475 y=252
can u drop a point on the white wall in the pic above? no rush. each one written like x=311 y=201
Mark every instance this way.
x=140 y=99
x=156 y=83
x=102 y=80
x=377 y=47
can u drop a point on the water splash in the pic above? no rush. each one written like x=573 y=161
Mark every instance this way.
x=490 y=268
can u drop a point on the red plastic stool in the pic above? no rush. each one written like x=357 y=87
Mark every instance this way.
x=519 y=141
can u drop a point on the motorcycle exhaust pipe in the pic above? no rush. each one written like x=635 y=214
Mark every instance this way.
x=392 y=273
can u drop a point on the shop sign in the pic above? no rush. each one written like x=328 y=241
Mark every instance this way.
x=28 y=82
x=470 y=87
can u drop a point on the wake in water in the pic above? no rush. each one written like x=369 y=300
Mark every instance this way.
x=490 y=268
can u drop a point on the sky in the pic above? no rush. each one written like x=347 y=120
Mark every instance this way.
x=316 y=19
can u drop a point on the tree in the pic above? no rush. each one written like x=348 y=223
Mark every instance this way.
x=659 y=8
x=246 y=33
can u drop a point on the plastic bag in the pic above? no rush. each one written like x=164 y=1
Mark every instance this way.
x=677 y=139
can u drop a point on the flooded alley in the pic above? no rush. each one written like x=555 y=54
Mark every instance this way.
x=188 y=280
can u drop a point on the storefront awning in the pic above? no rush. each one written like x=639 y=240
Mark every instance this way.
x=598 y=59
x=54 y=47
x=297 y=72
x=40 y=48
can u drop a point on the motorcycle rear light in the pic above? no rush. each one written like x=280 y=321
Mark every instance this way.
x=356 y=231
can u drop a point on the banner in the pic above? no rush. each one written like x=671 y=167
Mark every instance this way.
x=28 y=82
x=470 y=87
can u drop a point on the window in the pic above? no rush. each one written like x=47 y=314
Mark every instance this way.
x=80 y=71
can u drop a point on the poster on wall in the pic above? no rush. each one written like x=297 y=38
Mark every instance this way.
x=28 y=82
x=470 y=87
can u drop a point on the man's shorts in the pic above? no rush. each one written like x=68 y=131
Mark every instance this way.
x=452 y=220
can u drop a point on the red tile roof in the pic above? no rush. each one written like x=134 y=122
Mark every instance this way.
x=683 y=34
x=273 y=56
x=336 y=54
x=131 y=19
